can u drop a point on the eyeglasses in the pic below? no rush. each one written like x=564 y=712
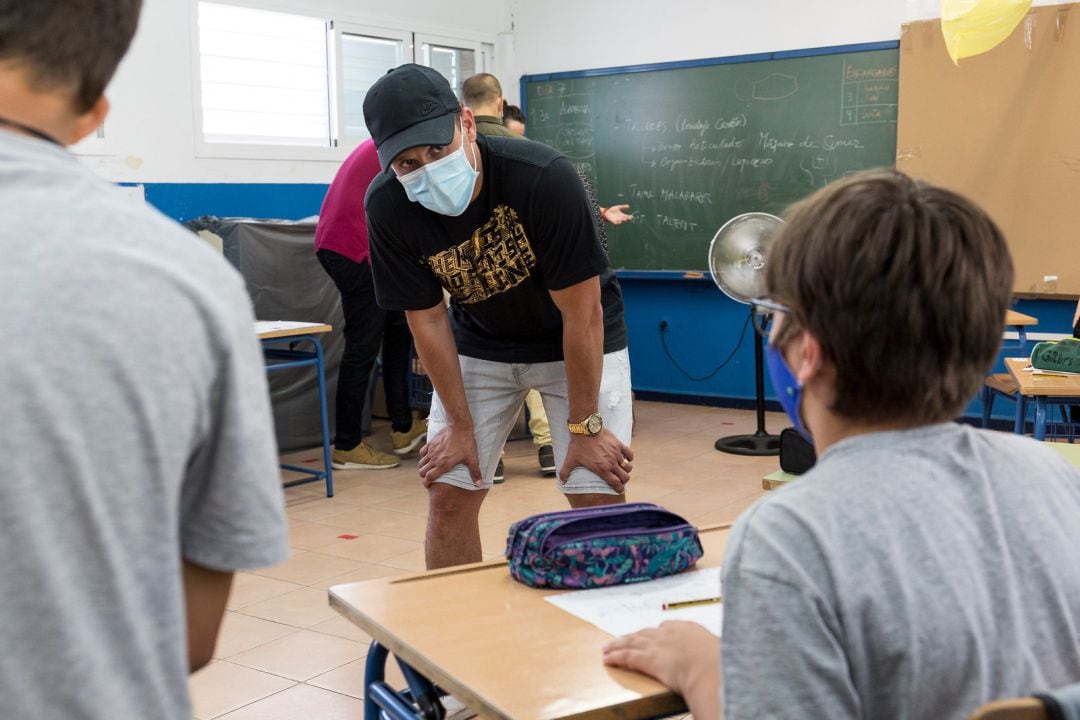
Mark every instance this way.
x=763 y=315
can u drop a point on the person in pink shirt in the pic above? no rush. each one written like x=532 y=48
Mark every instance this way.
x=341 y=244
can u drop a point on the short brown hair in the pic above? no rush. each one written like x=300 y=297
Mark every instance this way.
x=71 y=46
x=480 y=89
x=904 y=284
x=513 y=112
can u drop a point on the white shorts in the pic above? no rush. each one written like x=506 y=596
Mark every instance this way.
x=495 y=392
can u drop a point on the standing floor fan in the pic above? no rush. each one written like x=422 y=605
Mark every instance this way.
x=737 y=257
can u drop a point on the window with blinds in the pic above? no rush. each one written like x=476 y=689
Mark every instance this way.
x=282 y=84
x=264 y=77
x=364 y=59
x=456 y=64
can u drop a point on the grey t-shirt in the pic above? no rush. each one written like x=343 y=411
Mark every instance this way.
x=136 y=430
x=910 y=574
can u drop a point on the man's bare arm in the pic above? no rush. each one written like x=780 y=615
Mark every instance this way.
x=437 y=349
x=583 y=353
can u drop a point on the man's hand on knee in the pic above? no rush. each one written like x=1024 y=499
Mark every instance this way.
x=451 y=447
x=603 y=454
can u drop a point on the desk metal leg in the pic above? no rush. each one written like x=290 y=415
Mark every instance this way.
x=285 y=359
x=320 y=371
x=1040 y=418
x=1021 y=412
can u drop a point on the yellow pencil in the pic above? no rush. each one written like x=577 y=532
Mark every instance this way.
x=691 y=603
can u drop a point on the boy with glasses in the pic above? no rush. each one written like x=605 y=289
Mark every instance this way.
x=922 y=567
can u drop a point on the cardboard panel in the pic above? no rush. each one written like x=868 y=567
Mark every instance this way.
x=1004 y=129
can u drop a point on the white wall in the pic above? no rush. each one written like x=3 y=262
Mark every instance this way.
x=151 y=128
x=150 y=131
x=559 y=35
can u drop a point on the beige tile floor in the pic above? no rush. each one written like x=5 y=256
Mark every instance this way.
x=283 y=654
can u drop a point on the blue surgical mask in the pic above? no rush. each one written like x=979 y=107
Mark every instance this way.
x=788 y=388
x=444 y=186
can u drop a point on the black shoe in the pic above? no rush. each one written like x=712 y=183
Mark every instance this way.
x=547 y=459
x=500 y=473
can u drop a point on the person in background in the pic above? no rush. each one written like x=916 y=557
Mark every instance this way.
x=922 y=567
x=482 y=94
x=504 y=227
x=140 y=469
x=514 y=121
x=341 y=244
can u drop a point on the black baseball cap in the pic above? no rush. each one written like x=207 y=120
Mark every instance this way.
x=409 y=106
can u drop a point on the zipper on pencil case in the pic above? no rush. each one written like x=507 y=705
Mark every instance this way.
x=655 y=512
x=546 y=548
x=526 y=524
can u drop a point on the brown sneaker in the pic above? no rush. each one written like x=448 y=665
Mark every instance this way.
x=363 y=457
x=406 y=442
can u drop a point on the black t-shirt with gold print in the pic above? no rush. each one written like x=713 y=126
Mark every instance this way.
x=529 y=231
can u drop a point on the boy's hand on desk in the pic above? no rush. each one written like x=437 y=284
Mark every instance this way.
x=603 y=454
x=453 y=446
x=682 y=655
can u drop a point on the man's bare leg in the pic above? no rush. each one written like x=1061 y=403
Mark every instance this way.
x=594 y=499
x=453 y=531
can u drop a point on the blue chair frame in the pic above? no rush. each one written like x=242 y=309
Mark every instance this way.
x=421 y=701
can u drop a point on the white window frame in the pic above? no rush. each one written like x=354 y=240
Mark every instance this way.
x=259 y=151
x=462 y=43
x=348 y=23
x=341 y=27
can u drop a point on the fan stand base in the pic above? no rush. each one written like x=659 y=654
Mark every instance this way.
x=760 y=443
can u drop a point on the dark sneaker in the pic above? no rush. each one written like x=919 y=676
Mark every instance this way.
x=546 y=456
x=500 y=473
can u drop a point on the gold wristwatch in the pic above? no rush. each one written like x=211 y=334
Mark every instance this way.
x=591 y=425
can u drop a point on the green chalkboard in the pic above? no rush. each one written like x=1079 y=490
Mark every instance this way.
x=690 y=147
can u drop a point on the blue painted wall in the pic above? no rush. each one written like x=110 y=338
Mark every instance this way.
x=184 y=201
x=703 y=324
x=703 y=329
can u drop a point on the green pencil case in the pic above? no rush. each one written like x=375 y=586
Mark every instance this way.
x=1060 y=355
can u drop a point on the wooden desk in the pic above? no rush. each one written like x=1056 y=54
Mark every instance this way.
x=1019 y=322
x=1045 y=389
x=275 y=334
x=498 y=646
x=777 y=478
x=1019 y=319
x=271 y=329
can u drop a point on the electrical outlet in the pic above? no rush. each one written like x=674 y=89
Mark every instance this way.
x=663 y=325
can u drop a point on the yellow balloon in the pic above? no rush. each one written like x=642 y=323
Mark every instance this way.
x=972 y=27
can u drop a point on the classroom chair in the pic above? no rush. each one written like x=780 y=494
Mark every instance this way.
x=1063 y=704
x=1004 y=385
x=421 y=700
x=1028 y=708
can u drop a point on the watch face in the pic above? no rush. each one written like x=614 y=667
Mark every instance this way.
x=594 y=423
